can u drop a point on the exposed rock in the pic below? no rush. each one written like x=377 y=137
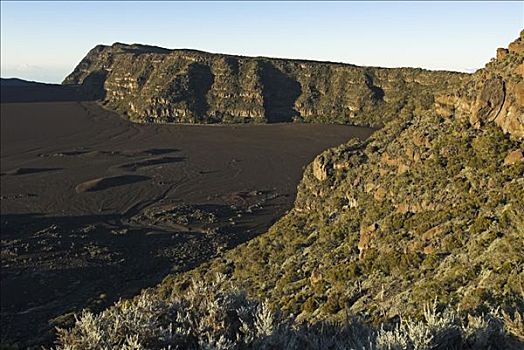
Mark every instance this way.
x=445 y=105
x=352 y=202
x=518 y=45
x=518 y=90
x=366 y=236
x=511 y=116
x=380 y=194
x=493 y=94
x=514 y=157
x=432 y=233
x=403 y=208
x=320 y=168
x=155 y=85
x=519 y=70
x=502 y=53
x=489 y=101
x=402 y=168
x=316 y=277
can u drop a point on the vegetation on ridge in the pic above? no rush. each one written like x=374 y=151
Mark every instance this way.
x=207 y=316
x=428 y=207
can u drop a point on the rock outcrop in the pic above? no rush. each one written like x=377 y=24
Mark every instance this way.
x=514 y=157
x=151 y=84
x=493 y=94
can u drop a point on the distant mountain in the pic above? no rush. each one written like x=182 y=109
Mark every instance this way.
x=152 y=84
x=8 y=82
x=19 y=90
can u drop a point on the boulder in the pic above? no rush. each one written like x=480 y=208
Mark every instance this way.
x=514 y=157
x=489 y=102
x=320 y=168
x=316 y=277
x=517 y=46
x=366 y=236
x=502 y=53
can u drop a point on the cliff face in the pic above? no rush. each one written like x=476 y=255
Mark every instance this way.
x=151 y=84
x=493 y=94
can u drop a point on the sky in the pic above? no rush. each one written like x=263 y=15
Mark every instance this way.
x=43 y=41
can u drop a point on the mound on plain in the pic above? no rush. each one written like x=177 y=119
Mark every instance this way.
x=108 y=182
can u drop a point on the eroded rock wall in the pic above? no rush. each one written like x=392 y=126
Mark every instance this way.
x=493 y=94
x=151 y=84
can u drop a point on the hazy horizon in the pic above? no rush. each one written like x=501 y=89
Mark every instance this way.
x=44 y=41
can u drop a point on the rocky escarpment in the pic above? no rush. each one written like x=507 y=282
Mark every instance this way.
x=151 y=84
x=428 y=208
x=494 y=94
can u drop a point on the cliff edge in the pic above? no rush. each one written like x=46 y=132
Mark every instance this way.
x=155 y=85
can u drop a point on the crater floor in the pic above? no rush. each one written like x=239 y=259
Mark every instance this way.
x=94 y=208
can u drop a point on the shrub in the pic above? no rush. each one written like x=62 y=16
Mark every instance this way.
x=211 y=316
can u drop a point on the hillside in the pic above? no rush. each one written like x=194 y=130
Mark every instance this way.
x=151 y=84
x=428 y=209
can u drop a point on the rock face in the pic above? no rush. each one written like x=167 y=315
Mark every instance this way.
x=151 y=84
x=514 y=157
x=493 y=94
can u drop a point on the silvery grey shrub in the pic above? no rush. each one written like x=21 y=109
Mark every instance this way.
x=208 y=316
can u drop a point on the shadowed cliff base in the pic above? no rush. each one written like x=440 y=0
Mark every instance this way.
x=280 y=94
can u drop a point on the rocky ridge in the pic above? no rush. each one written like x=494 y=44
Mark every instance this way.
x=151 y=84
x=495 y=94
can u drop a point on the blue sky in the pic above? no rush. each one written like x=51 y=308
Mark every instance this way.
x=44 y=41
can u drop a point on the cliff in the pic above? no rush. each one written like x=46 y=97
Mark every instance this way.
x=494 y=94
x=151 y=84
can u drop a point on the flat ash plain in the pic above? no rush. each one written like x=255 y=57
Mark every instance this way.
x=95 y=208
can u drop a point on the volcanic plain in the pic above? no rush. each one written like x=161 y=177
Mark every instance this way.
x=95 y=208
